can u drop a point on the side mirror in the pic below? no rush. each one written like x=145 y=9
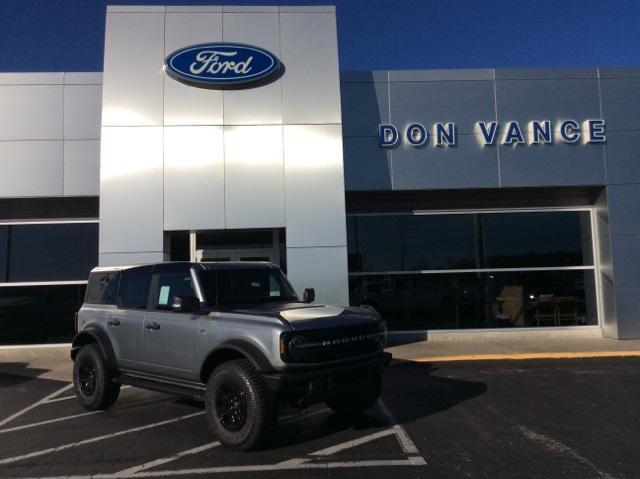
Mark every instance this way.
x=185 y=304
x=309 y=295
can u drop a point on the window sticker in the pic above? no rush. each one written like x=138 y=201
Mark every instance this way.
x=163 y=300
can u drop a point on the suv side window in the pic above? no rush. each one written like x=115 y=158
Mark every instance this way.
x=167 y=286
x=102 y=288
x=134 y=290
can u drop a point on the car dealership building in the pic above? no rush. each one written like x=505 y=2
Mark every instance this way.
x=447 y=199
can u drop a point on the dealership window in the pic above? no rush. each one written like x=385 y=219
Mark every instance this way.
x=474 y=270
x=44 y=267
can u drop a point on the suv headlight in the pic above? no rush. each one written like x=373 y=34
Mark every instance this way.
x=382 y=335
x=297 y=346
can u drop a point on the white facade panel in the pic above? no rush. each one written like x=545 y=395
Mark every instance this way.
x=254 y=177
x=82 y=168
x=233 y=159
x=324 y=269
x=31 y=78
x=314 y=185
x=30 y=168
x=194 y=8
x=83 y=78
x=31 y=112
x=116 y=259
x=311 y=88
x=133 y=73
x=184 y=104
x=131 y=200
x=261 y=105
x=193 y=178
x=82 y=111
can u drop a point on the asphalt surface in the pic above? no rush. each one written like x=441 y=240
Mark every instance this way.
x=546 y=418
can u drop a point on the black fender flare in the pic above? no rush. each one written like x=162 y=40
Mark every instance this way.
x=93 y=334
x=249 y=350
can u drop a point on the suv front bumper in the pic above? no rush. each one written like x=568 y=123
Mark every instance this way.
x=316 y=384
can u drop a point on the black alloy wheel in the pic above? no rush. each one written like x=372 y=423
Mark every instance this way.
x=93 y=379
x=87 y=376
x=241 y=410
x=231 y=406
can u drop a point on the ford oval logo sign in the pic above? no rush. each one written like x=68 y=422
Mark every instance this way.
x=223 y=65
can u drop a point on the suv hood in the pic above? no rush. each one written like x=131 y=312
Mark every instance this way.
x=303 y=317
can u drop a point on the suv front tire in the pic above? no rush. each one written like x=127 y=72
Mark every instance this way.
x=92 y=379
x=241 y=411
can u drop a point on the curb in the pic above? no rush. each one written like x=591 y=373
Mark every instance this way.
x=525 y=356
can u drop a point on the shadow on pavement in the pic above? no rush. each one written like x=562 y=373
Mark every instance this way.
x=411 y=391
x=14 y=373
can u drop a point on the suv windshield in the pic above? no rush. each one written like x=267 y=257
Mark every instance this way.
x=246 y=286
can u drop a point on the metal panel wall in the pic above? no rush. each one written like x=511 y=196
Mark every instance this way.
x=31 y=168
x=131 y=201
x=230 y=159
x=256 y=106
x=185 y=105
x=311 y=86
x=81 y=167
x=254 y=176
x=468 y=96
x=314 y=186
x=49 y=131
x=133 y=74
x=193 y=178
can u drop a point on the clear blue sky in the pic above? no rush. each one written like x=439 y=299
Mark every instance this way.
x=68 y=35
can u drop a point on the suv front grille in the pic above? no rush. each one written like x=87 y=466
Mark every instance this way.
x=338 y=343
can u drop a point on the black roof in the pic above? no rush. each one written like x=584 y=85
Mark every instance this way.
x=207 y=265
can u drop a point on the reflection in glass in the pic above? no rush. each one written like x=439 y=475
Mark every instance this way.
x=52 y=252
x=519 y=240
x=411 y=242
x=39 y=314
x=4 y=239
x=480 y=300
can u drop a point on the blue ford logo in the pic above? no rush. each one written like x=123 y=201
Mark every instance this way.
x=223 y=65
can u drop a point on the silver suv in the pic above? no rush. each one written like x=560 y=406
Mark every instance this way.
x=232 y=334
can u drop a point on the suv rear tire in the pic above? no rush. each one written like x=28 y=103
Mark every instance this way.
x=93 y=379
x=241 y=411
x=356 y=401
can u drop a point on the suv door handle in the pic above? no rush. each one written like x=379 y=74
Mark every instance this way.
x=113 y=322
x=152 y=325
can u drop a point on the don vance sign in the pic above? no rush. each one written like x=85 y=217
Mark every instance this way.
x=536 y=132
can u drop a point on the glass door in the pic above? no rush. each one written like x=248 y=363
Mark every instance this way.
x=238 y=245
x=241 y=254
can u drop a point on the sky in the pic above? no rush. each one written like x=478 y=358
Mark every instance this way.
x=68 y=35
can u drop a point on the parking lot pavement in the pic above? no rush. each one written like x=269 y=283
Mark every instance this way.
x=569 y=418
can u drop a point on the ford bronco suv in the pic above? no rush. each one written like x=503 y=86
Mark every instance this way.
x=232 y=334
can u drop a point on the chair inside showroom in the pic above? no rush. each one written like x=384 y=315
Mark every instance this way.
x=512 y=304
x=545 y=310
x=567 y=310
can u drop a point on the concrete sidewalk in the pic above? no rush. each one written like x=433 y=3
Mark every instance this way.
x=42 y=361
x=513 y=344
x=53 y=362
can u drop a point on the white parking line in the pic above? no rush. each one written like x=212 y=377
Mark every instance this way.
x=66 y=398
x=353 y=443
x=133 y=470
x=405 y=441
x=412 y=461
x=35 y=404
x=50 y=421
x=50 y=450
